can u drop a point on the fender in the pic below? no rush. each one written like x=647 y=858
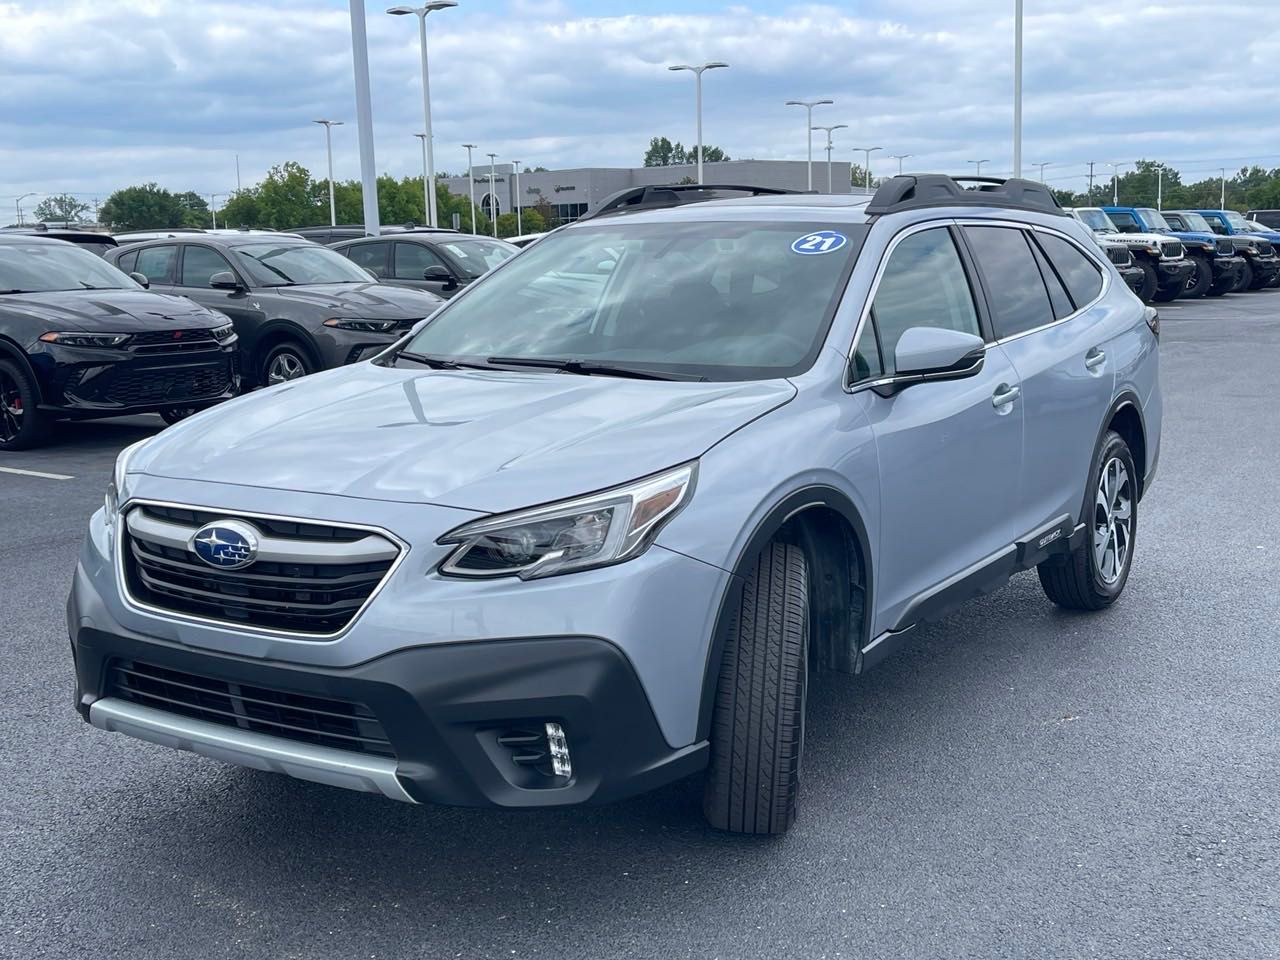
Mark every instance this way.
x=9 y=350
x=279 y=327
x=1126 y=398
x=790 y=506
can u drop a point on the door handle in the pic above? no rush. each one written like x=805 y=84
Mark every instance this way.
x=1095 y=358
x=1004 y=395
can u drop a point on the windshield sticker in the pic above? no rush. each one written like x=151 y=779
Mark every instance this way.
x=822 y=241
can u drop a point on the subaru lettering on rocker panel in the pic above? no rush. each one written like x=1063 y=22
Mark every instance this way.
x=593 y=528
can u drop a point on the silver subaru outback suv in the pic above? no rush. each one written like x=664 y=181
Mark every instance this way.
x=592 y=526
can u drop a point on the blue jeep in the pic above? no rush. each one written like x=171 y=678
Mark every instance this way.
x=1263 y=264
x=1219 y=269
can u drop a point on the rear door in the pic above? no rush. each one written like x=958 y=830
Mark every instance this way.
x=374 y=257
x=1043 y=293
x=197 y=268
x=949 y=451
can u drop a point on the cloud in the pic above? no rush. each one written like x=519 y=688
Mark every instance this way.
x=105 y=93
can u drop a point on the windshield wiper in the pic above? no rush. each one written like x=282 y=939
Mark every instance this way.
x=440 y=363
x=591 y=368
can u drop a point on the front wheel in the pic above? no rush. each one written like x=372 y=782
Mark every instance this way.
x=757 y=732
x=1150 y=282
x=1093 y=575
x=22 y=425
x=1201 y=279
x=284 y=362
x=1246 y=278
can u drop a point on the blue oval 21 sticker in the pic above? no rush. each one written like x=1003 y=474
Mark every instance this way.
x=822 y=241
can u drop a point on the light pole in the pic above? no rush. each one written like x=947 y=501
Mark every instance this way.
x=426 y=176
x=428 y=184
x=1115 y=182
x=1089 y=195
x=471 y=185
x=808 y=125
x=978 y=164
x=1017 y=88
x=515 y=172
x=838 y=126
x=1041 y=166
x=900 y=157
x=364 y=119
x=213 y=209
x=1222 y=200
x=328 y=146
x=493 y=192
x=1159 y=188
x=866 y=168
x=697 y=73
x=18 y=205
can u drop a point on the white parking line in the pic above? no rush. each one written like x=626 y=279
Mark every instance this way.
x=36 y=473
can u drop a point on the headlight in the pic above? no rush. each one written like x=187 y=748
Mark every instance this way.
x=116 y=492
x=86 y=339
x=365 y=326
x=223 y=333
x=591 y=531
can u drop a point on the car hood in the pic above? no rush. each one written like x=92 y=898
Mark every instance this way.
x=375 y=301
x=110 y=311
x=489 y=441
x=1134 y=239
x=1190 y=236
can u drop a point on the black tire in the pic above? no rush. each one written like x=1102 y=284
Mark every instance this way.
x=1246 y=278
x=282 y=357
x=1201 y=280
x=172 y=415
x=1165 y=296
x=22 y=424
x=757 y=732
x=1150 y=281
x=1257 y=283
x=1079 y=580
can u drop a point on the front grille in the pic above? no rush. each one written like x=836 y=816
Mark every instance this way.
x=1226 y=248
x=165 y=341
x=326 y=578
x=1172 y=249
x=133 y=386
x=290 y=716
x=1119 y=255
x=1265 y=248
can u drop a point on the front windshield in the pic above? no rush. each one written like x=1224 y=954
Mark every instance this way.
x=1095 y=219
x=1238 y=222
x=1155 y=220
x=1196 y=222
x=54 y=265
x=723 y=301
x=276 y=264
x=478 y=257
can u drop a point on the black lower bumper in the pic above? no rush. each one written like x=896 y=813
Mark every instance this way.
x=1226 y=272
x=1265 y=269
x=1173 y=274
x=451 y=712
x=1132 y=276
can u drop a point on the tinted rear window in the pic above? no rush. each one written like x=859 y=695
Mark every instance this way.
x=1015 y=290
x=1078 y=272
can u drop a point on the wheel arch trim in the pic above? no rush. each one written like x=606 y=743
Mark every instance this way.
x=9 y=350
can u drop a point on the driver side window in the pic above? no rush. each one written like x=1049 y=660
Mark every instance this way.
x=923 y=285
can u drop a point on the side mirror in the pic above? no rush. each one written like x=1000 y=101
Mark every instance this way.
x=933 y=353
x=224 y=280
x=141 y=279
x=440 y=275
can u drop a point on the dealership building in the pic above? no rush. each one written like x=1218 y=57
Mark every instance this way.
x=573 y=193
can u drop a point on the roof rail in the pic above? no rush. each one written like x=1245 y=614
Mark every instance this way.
x=939 y=190
x=650 y=197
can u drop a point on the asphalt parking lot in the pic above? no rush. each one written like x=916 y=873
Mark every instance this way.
x=1021 y=783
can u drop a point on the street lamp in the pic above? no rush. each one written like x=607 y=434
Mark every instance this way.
x=900 y=157
x=426 y=176
x=1222 y=200
x=213 y=209
x=1041 y=166
x=1115 y=182
x=978 y=164
x=698 y=72
x=421 y=13
x=515 y=171
x=471 y=185
x=328 y=145
x=1017 y=88
x=866 y=167
x=808 y=106
x=18 y=204
x=838 y=126
x=493 y=192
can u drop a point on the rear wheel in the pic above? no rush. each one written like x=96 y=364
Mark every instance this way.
x=1093 y=575
x=285 y=361
x=1246 y=278
x=1150 y=282
x=1201 y=279
x=757 y=732
x=22 y=425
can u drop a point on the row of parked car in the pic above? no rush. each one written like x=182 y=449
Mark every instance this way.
x=178 y=321
x=1167 y=254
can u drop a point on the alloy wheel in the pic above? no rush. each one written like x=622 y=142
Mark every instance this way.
x=1112 y=521
x=11 y=408
x=285 y=366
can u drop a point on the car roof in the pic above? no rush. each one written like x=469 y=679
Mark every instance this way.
x=225 y=240
x=9 y=238
x=59 y=233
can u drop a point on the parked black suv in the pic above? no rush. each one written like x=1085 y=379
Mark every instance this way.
x=79 y=339
x=298 y=307
x=441 y=263
x=91 y=240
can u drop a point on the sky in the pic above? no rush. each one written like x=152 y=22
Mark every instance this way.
x=101 y=94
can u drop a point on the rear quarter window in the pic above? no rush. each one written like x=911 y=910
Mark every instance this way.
x=1015 y=290
x=1080 y=275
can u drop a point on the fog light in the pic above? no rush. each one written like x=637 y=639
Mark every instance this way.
x=559 y=745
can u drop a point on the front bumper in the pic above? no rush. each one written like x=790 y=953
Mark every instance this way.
x=1226 y=272
x=1264 y=269
x=1132 y=276
x=1173 y=274
x=445 y=711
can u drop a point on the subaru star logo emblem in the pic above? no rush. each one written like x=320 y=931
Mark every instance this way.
x=226 y=544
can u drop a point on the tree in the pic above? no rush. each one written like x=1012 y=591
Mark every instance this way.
x=148 y=207
x=195 y=210
x=62 y=208
x=663 y=153
x=547 y=212
x=533 y=222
